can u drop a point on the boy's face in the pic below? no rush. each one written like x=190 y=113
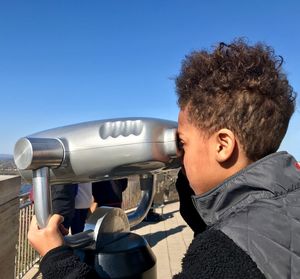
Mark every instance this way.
x=198 y=155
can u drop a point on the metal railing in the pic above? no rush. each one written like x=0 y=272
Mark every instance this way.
x=26 y=256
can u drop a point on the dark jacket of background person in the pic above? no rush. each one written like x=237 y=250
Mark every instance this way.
x=186 y=207
x=63 y=201
x=109 y=192
x=83 y=202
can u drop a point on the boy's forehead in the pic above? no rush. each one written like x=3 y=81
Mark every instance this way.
x=186 y=127
x=183 y=115
x=183 y=118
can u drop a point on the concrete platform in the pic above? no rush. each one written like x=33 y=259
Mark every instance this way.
x=168 y=238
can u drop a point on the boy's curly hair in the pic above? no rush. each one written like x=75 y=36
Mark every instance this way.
x=239 y=87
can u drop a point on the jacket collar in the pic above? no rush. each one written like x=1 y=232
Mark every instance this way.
x=272 y=176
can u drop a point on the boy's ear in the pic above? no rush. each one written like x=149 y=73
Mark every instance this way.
x=225 y=143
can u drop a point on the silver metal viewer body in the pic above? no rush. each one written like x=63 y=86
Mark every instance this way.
x=93 y=151
x=99 y=150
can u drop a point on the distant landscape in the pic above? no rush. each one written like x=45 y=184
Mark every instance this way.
x=6 y=156
x=7 y=165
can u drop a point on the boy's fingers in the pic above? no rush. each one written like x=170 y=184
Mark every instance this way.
x=55 y=220
x=33 y=223
x=63 y=230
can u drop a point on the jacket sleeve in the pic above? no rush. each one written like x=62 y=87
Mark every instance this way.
x=213 y=255
x=61 y=262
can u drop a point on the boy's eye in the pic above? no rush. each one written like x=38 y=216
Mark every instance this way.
x=180 y=143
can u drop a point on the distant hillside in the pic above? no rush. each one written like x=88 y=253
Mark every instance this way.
x=6 y=156
x=7 y=164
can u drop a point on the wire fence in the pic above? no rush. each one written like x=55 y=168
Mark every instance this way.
x=26 y=256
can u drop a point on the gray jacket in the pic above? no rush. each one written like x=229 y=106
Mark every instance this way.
x=259 y=209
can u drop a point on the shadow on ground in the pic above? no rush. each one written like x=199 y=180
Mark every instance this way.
x=154 y=238
x=163 y=217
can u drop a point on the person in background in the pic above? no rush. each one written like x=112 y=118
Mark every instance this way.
x=63 y=202
x=109 y=192
x=83 y=202
x=152 y=216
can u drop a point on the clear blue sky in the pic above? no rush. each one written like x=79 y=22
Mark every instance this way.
x=64 y=62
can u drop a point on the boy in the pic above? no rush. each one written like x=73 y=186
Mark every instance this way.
x=235 y=105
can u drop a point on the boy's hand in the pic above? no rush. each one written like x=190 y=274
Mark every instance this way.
x=44 y=240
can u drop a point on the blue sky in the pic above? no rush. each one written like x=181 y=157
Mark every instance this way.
x=64 y=62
